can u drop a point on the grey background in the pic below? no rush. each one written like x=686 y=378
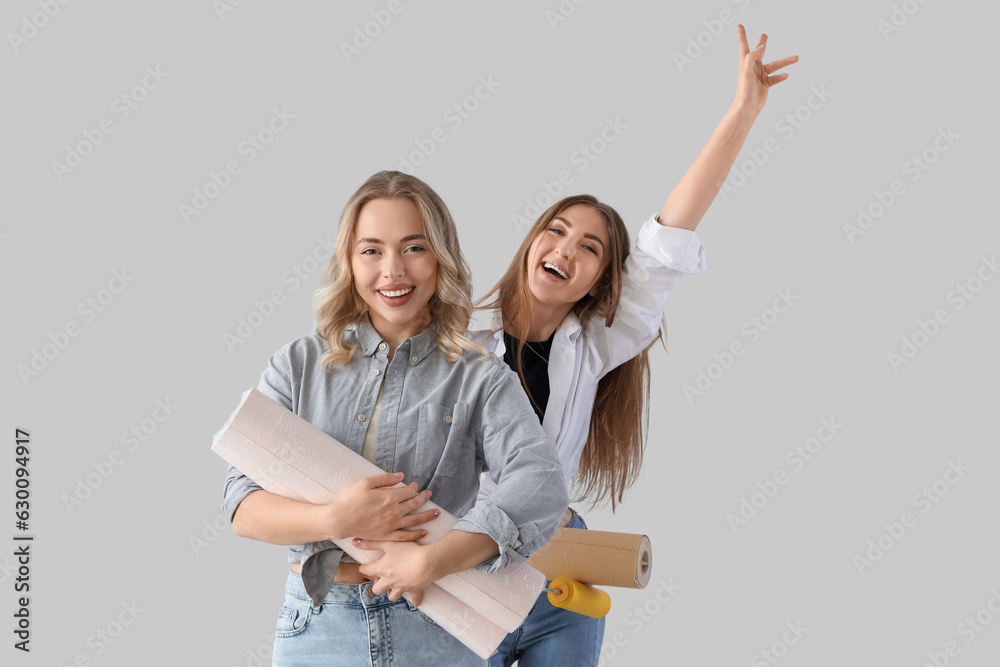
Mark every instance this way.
x=135 y=539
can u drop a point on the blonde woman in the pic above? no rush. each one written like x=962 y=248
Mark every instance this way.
x=391 y=374
x=578 y=312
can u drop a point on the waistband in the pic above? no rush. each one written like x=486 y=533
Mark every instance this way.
x=343 y=594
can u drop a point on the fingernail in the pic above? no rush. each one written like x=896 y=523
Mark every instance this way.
x=399 y=475
x=357 y=541
x=437 y=513
x=423 y=533
x=429 y=493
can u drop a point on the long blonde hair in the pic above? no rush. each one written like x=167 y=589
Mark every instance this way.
x=338 y=304
x=615 y=444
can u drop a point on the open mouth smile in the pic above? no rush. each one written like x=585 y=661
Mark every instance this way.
x=396 y=295
x=396 y=292
x=555 y=270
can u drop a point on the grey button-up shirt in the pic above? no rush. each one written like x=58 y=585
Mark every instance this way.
x=441 y=423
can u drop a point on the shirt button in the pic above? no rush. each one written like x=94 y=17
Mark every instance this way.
x=448 y=419
x=381 y=346
x=361 y=418
x=413 y=358
x=367 y=352
x=375 y=372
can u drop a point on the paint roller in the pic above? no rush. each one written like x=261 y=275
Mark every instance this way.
x=577 y=559
x=580 y=598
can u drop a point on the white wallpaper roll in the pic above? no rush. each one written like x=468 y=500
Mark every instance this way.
x=290 y=457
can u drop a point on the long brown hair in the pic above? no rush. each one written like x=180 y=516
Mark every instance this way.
x=338 y=305
x=616 y=441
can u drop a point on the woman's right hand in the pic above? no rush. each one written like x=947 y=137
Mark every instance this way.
x=371 y=509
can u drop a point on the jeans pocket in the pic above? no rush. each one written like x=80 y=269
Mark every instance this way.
x=294 y=617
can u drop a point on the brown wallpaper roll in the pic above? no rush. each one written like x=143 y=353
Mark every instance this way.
x=596 y=557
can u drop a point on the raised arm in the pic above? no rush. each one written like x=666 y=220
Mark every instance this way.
x=690 y=199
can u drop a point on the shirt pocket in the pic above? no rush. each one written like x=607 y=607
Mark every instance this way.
x=444 y=447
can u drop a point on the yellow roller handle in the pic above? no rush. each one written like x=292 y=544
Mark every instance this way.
x=580 y=598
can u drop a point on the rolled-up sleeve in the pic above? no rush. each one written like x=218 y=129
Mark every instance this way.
x=523 y=512
x=652 y=270
x=275 y=382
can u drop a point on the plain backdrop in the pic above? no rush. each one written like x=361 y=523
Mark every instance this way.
x=152 y=255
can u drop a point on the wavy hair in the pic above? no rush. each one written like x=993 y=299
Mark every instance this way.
x=338 y=304
x=612 y=455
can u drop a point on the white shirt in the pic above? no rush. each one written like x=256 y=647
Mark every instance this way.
x=581 y=356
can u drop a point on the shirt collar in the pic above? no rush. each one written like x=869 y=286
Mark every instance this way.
x=417 y=347
x=570 y=327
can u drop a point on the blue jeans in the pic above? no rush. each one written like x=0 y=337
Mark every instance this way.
x=552 y=637
x=351 y=629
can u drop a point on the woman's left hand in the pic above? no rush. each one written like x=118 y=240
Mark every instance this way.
x=405 y=567
x=755 y=78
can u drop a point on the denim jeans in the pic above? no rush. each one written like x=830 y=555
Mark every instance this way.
x=351 y=629
x=553 y=637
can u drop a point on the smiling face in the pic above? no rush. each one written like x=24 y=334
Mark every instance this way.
x=568 y=257
x=394 y=270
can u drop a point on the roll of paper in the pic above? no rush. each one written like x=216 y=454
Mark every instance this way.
x=596 y=557
x=288 y=456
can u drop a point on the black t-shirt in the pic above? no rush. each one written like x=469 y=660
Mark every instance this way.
x=535 y=364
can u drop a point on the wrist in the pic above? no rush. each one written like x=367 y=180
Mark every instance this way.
x=330 y=519
x=743 y=111
x=435 y=562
